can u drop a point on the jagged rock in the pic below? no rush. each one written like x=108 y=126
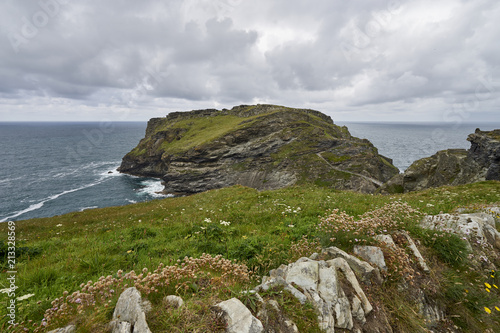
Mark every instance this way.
x=122 y=327
x=174 y=301
x=386 y=239
x=371 y=254
x=67 y=329
x=279 y=323
x=319 y=283
x=278 y=281
x=365 y=271
x=416 y=253
x=452 y=166
x=479 y=226
x=431 y=312
x=351 y=278
x=129 y=313
x=238 y=318
x=260 y=146
x=314 y=256
x=357 y=310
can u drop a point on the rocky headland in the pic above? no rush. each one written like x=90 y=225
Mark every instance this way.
x=453 y=166
x=269 y=147
x=260 y=146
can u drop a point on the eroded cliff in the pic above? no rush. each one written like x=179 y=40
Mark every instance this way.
x=260 y=146
x=453 y=166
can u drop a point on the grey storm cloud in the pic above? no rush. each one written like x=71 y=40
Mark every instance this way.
x=358 y=57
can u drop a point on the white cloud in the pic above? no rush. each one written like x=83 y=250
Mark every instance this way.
x=376 y=61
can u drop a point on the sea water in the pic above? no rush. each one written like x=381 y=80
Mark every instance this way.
x=48 y=169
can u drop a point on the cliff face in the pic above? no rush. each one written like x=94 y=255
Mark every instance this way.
x=453 y=166
x=260 y=146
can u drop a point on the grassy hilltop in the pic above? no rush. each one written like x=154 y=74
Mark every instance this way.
x=265 y=147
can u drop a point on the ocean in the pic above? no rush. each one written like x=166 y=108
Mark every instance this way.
x=48 y=169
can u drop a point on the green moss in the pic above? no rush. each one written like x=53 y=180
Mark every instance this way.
x=333 y=158
x=137 y=151
x=387 y=163
x=395 y=188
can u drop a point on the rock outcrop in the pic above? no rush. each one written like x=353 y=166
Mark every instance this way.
x=318 y=282
x=453 y=166
x=67 y=329
x=479 y=228
x=129 y=315
x=260 y=146
x=238 y=318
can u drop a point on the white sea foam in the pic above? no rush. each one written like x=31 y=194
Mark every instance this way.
x=111 y=172
x=85 y=208
x=152 y=187
x=53 y=197
x=8 y=180
x=131 y=201
x=101 y=168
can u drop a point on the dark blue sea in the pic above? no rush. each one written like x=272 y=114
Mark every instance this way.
x=48 y=169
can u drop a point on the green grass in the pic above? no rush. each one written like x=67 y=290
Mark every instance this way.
x=61 y=252
x=204 y=130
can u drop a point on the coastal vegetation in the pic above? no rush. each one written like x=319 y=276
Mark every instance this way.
x=217 y=244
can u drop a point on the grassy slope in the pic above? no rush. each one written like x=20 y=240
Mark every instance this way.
x=61 y=252
x=202 y=131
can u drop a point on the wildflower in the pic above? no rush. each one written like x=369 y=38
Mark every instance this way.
x=244 y=237
x=129 y=251
x=207 y=220
x=225 y=223
x=487 y=285
x=59 y=225
x=487 y=310
x=497 y=308
x=291 y=226
x=495 y=286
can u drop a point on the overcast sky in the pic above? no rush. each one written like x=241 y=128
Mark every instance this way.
x=371 y=60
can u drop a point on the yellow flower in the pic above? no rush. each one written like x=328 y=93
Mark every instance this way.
x=495 y=286
x=497 y=308
x=487 y=310
x=129 y=251
x=487 y=290
x=487 y=285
